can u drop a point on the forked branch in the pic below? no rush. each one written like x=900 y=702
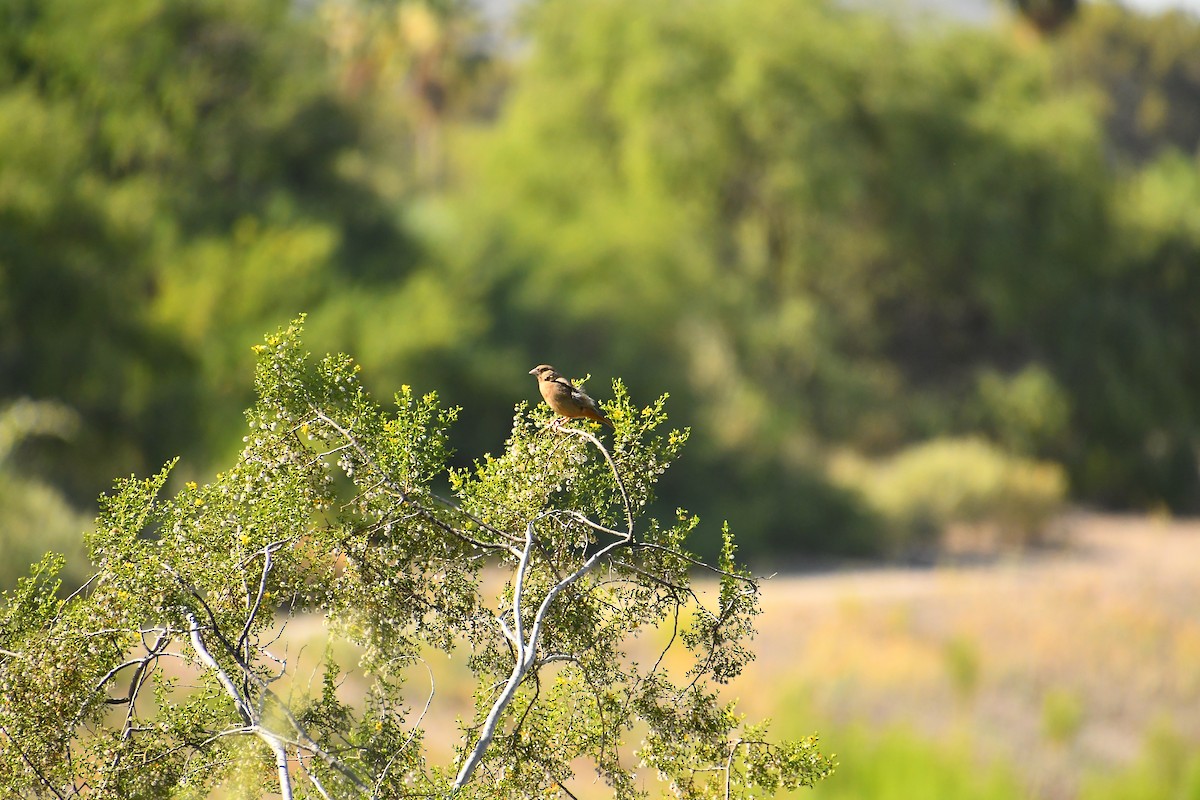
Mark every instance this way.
x=525 y=646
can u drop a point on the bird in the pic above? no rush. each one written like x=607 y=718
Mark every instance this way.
x=566 y=399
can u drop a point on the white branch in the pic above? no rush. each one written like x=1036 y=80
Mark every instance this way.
x=312 y=776
x=281 y=765
x=616 y=473
x=267 y=552
x=729 y=767
x=243 y=706
x=518 y=588
x=527 y=650
x=520 y=668
x=254 y=721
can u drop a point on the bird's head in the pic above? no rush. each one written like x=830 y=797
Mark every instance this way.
x=544 y=372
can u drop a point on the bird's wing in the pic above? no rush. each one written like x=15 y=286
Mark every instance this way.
x=578 y=395
x=583 y=398
x=566 y=384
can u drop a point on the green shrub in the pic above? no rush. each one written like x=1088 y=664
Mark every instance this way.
x=1062 y=715
x=1169 y=769
x=35 y=517
x=1028 y=412
x=900 y=765
x=927 y=489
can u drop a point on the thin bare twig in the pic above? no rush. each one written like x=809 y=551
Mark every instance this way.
x=412 y=734
x=267 y=553
x=312 y=777
x=612 y=465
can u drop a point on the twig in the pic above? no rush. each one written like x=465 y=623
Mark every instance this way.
x=267 y=552
x=613 y=466
x=312 y=776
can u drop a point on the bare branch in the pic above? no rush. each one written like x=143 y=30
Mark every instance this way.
x=140 y=675
x=112 y=674
x=281 y=765
x=526 y=650
x=613 y=466
x=524 y=659
x=312 y=777
x=695 y=562
x=79 y=591
x=267 y=553
x=519 y=585
x=241 y=703
x=412 y=734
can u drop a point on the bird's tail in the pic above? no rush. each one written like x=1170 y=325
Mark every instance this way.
x=599 y=416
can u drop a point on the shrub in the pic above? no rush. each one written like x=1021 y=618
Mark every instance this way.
x=928 y=489
x=537 y=573
x=1062 y=715
x=34 y=516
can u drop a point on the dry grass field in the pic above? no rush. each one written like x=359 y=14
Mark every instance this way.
x=1059 y=662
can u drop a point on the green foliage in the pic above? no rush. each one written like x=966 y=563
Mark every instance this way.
x=841 y=233
x=541 y=571
x=1169 y=769
x=174 y=178
x=897 y=763
x=1028 y=412
x=862 y=220
x=1062 y=715
x=926 y=489
x=1147 y=69
x=34 y=516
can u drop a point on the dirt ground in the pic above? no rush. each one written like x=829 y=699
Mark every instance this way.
x=1060 y=661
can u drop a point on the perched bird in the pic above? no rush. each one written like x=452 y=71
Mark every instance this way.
x=564 y=398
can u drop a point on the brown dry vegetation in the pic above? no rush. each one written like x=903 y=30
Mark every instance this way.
x=1059 y=662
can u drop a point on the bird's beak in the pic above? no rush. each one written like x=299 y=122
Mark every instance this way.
x=533 y=371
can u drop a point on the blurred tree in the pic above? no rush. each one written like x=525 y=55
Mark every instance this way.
x=1129 y=337
x=172 y=176
x=34 y=516
x=1048 y=16
x=825 y=231
x=423 y=64
x=1147 y=70
x=832 y=233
